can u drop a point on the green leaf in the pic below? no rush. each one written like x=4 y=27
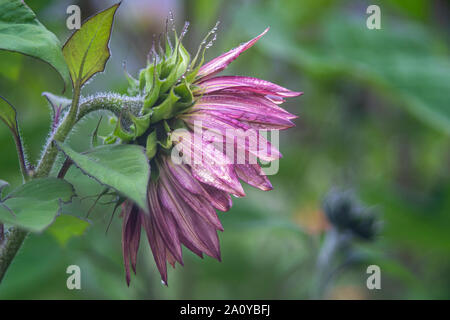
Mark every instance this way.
x=409 y=71
x=66 y=227
x=86 y=51
x=8 y=116
x=10 y=65
x=122 y=167
x=21 y=31
x=34 y=205
x=402 y=62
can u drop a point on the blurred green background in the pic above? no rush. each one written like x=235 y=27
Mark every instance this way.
x=375 y=118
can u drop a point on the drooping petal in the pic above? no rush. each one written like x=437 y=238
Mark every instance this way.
x=165 y=224
x=197 y=202
x=234 y=135
x=208 y=165
x=221 y=62
x=182 y=173
x=201 y=206
x=135 y=239
x=170 y=259
x=195 y=233
x=248 y=84
x=220 y=199
x=253 y=175
x=186 y=231
x=157 y=245
x=131 y=234
x=208 y=234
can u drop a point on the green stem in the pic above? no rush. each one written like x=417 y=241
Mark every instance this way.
x=335 y=241
x=21 y=155
x=111 y=102
x=9 y=247
x=50 y=153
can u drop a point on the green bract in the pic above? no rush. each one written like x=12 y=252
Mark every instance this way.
x=166 y=92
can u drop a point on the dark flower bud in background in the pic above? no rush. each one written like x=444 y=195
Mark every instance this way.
x=347 y=214
x=350 y=221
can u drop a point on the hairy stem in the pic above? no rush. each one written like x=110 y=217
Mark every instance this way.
x=111 y=102
x=21 y=155
x=9 y=247
x=50 y=153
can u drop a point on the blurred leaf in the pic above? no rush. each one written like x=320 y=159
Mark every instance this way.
x=122 y=167
x=403 y=62
x=10 y=65
x=8 y=116
x=420 y=226
x=419 y=9
x=86 y=51
x=389 y=264
x=398 y=270
x=66 y=227
x=21 y=31
x=39 y=262
x=205 y=12
x=408 y=68
x=34 y=205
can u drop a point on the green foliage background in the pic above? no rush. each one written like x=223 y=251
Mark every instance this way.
x=375 y=117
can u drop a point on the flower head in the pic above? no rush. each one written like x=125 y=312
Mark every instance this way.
x=189 y=121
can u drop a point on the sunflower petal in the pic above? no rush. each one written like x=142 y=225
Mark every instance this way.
x=193 y=230
x=244 y=84
x=165 y=225
x=221 y=62
x=208 y=165
x=253 y=175
x=157 y=245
